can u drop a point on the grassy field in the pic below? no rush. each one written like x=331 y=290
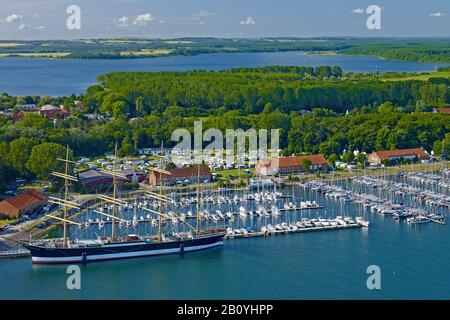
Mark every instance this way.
x=178 y=42
x=417 y=76
x=147 y=52
x=35 y=55
x=326 y=53
x=10 y=44
x=235 y=173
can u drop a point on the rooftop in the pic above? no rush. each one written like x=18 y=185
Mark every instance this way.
x=22 y=201
x=187 y=172
x=295 y=161
x=385 y=154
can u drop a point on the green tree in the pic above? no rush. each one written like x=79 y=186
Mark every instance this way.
x=119 y=108
x=43 y=159
x=31 y=120
x=19 y=153
x=361 y=158
x=348 y=157
x=387 y=107
x=306 y=164
x=382 y=139
x=446 y=144
x=332 y=160
x=170 y=166
x=437 y=147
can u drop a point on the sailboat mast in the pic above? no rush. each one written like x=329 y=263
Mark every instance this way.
x=113 y=214
x=197 y=231
x=66 y=194
x=161 y=204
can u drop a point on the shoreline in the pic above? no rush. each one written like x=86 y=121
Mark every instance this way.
x=174 y=53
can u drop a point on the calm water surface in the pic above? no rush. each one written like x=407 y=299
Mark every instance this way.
x=23 y=76
x=319 y=265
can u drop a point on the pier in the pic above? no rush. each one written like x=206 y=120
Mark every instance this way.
x=23 y=253
x=17 y=253
x=284 y=232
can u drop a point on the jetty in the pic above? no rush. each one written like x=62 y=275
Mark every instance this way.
x=289 y=231
x=14 y=253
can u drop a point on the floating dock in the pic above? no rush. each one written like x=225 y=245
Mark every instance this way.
x=21 y=253
x=10 y=254
x=300 y=230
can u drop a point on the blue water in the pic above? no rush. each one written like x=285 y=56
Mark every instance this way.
x=23 y=76
x=319 y=265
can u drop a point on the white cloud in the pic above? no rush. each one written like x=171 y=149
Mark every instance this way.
x=199 y=16
x=23 y=26
x=40 y=28
x=162 y=21
x=122 y=22
x=438 y=14
x=143 y=19
x=36 y=15
x=358 y=11
x=13 y=18
x=204 y=14
x=248 y=21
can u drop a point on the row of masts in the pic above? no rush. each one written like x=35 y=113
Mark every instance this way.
x=114 y=200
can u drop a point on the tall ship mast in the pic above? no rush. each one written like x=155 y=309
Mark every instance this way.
x=119 y=245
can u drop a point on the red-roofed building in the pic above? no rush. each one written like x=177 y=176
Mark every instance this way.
x=379 y=157
x=442 y=110
x=288 y=165
x=185 y=175
x=25 y=203
x=51 y=112
x=21 y=115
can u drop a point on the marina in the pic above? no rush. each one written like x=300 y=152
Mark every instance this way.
x=416 y=197
x=303 y=229
x=150 y=217
x=302 y=263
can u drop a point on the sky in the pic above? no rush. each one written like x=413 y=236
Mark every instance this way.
x=46 y=19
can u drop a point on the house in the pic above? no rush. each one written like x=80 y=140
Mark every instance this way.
x=97 y=180
x=184 y=175
x=134 y=175
x=49 y=111
x=441 y=110
x=21 y=114
x=93 y=179
x=27 y=107
x=288 y=165
x=379 y=157
x=26 y=203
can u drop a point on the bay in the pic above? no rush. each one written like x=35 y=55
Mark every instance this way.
x=31 y=76
x=413 y=261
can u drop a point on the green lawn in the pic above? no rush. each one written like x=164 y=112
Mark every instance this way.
x=418 y=76
x=235 y=173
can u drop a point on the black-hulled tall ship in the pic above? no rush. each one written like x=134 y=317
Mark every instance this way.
x=65 y=250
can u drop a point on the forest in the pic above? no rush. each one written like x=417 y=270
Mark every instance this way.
x=286 y=88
